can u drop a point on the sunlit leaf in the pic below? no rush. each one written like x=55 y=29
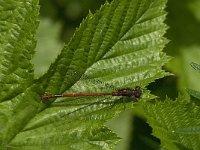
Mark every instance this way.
x=118 y=46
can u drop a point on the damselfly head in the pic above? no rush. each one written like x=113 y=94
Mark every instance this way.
x=134 y=93
x=137 y=91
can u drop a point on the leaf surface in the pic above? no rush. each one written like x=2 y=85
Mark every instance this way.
x=17 y=44
x=175 y=123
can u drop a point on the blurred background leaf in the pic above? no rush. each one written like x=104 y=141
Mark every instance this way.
x=184 y=22
x=48 y=45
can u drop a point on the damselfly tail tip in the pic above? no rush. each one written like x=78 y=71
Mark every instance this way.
x=45 y=97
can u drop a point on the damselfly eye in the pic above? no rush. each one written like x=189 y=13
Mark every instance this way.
x=138 y=91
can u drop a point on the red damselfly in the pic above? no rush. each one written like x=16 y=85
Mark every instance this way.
x=127 y=92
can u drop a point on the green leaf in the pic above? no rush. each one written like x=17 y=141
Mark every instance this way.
x=195 y=66
x=119 y=46
x=123 y=37
x=190 y=130
x=17 y=44
x=173 y=123
x=194 y=93
x=18 y=24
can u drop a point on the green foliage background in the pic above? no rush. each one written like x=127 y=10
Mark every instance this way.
x=171 y=123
